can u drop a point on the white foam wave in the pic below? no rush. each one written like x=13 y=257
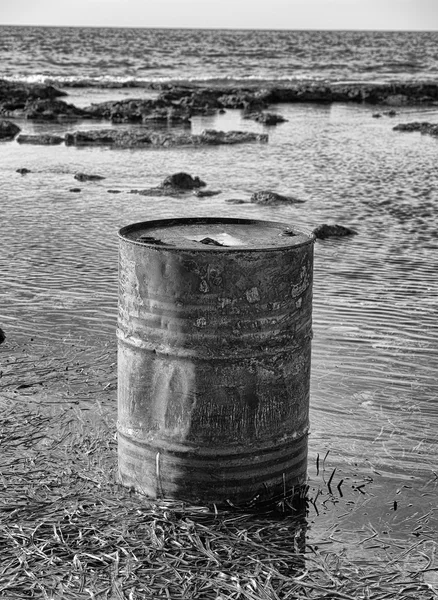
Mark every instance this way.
x=120 y=82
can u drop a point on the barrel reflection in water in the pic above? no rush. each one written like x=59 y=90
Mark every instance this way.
x=214 y=337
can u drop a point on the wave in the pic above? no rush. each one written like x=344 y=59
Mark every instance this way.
x=121 y=82
x=226 y=81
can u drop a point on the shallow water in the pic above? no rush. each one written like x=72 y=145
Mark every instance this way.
x=375 y=350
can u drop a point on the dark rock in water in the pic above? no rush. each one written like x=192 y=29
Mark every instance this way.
x=324 y=231
x=272 y=198
x=8 y=130
x=236 y=201
x=266 y=118
x=75 y=190
x=423 y=127
x=391 y=113
x=44 y=139
x=210 y=136
x=52 y=110
x=86 y=177
x=169 y=114
x=14 y=96
x=183 y=181
x=136 y=139
x=394 y=94
x=139 y=111
x=173 y=186
x=206 y=193
x=114 y=191
x=102 y=137
x=2 y=336
x=196 y=100
x=24 y=91
x=377 y=116
x=23 y=171
x=256 y=100
x=251 y=101
x=128 y=111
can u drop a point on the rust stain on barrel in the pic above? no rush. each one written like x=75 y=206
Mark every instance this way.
x=214 y=359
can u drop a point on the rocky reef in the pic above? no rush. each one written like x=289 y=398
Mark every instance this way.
x=177 y=104
x=145 y=138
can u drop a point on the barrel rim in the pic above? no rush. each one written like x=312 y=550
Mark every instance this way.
x=302 y=238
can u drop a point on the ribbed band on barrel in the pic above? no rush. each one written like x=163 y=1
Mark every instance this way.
x=214 y=474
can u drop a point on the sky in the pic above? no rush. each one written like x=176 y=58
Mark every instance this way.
x=246 y=14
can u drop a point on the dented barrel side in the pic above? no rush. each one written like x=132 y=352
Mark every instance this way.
x=214 y=370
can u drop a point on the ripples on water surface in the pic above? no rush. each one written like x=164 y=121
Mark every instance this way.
x=374 y=386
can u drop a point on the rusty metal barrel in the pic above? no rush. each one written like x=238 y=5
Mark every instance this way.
x=214 y=342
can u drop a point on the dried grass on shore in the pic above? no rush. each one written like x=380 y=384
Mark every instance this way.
x=68 y=530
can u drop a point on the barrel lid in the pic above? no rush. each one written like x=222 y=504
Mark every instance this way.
x=215 y=233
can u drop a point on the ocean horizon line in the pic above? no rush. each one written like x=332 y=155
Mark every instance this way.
x=234 y=29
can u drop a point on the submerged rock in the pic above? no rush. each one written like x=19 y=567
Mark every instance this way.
x=272 y=198
x=2 y=336
x=324 y=231
x=75 y=190
x=265 y=118
x=206 y=193
x=168 y=191
x=8 y=130
x=23 y=171
x=423 y=127
x=44 y=139
x=86 y=177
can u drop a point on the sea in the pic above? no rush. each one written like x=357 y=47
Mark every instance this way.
x=374 y=385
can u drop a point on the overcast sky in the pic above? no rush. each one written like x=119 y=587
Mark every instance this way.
x=248 y=14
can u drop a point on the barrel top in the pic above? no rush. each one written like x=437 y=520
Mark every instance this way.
x=215 y=233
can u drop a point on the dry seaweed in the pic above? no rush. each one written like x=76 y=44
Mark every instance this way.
x=68 y=530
